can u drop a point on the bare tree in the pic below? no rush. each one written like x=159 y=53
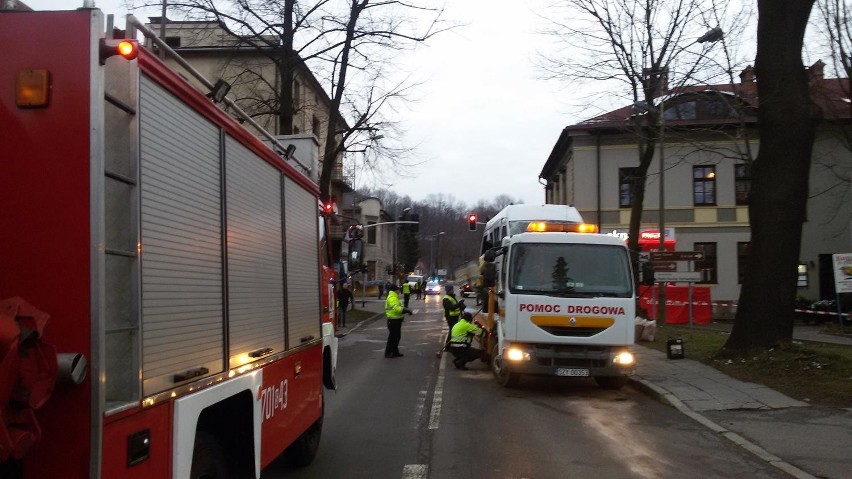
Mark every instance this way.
x=639 y=51
x=348 y=44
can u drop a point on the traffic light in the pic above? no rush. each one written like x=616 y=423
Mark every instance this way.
x=471 y=221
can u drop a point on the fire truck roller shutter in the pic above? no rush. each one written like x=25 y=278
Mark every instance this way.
x=301 y=229
x=181 y=255
x=255 y=258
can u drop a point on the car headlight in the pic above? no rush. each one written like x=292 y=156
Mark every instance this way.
x=624 y=358
x=515 y=354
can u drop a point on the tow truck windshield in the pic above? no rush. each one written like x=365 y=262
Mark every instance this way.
x=570 y=270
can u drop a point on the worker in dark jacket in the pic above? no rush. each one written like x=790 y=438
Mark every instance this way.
x=344 y=298
x=394 y=312
x=460 y=341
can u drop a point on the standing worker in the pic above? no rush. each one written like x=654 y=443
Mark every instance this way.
x=418 y=289
x=406 y=292
x=344 y=298
x=395 y=313
x=452 y=309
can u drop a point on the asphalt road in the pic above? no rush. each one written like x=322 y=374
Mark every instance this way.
x=417 y=417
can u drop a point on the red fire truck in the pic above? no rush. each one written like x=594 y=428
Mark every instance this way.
x=171 y=291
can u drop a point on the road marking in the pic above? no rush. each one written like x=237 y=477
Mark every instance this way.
x=415 y=471
x=435 y=414
x=418 y=408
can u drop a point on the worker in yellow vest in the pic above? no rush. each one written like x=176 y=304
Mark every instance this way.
x=395 y=313
x=406 y=293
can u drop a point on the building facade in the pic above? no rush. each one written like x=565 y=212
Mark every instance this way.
x=378 y=238
x=710 y=139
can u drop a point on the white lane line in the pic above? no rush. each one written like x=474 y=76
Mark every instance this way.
x=435 y=414
x=419 y=407
x=415 y=471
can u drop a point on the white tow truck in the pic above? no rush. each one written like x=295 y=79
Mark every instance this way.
x=562 y=301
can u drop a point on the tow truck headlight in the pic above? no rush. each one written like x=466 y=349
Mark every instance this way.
x=624 y=358
x=515 y=354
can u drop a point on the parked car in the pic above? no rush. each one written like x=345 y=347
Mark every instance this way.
x=432 y=287
x=466 y=290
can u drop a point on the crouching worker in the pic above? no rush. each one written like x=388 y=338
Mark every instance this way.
x=460 y=341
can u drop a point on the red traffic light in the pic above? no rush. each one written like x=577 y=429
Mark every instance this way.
x=328 y=206
x=471 y=222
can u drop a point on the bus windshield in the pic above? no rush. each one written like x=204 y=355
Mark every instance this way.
x=572 y=270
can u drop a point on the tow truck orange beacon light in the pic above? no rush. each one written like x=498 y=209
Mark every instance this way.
x=545 y=227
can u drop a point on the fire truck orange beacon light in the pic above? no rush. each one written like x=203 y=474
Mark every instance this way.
x=32 y=90
x=127 y=50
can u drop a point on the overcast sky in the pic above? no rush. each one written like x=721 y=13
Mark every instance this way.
x=483 y=124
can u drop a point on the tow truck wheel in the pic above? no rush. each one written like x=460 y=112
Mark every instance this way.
x=611 y=382
x=501 y=371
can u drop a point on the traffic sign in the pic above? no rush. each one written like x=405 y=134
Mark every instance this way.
x=678 y=277
x=664 y=266
x=677 y=255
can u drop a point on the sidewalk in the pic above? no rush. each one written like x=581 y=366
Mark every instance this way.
x=802 y=440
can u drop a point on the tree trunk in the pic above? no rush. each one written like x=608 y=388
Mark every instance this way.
x=332 y=148
x=787 y=121
x=286 y=107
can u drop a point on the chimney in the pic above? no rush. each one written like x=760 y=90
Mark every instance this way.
x=815 y=72
x=747 y=75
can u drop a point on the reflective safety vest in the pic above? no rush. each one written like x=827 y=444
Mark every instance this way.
x=406 y=288
x=454 y=310
x=461 y=330
x=393 y=307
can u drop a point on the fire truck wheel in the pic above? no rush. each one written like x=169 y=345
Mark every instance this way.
x=207 y=458
x=302 y=452
x=611 y=382
x=501 y=372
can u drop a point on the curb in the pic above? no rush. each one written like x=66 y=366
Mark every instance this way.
x=666 y=397
x=342 y=334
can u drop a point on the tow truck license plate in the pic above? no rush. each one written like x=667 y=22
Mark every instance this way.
x=572 y=372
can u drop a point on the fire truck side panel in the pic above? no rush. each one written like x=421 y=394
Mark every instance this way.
x=181 y=248
x=255 y=258
x=290 y=401
x=301 y=237
x=155 y=423
x=45 y=247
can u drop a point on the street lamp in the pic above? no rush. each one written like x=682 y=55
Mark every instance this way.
x=711 y=36
x=432 y=239
x=395 y=229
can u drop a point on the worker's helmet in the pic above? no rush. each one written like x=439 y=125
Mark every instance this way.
x=467 y=316
x=392 y=287
x=449 y=288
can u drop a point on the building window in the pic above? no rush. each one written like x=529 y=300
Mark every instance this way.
x=707 y=266
x=626 y=186
x=704 y=185
x=315 y=127
x=297 y=94
x=802 y=270
x=742 y=256
x=742 y=183
x=371 y=232
x=683 y=110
